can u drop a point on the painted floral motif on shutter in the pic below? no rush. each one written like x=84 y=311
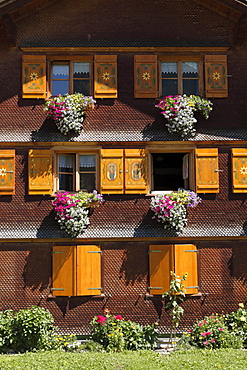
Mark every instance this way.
x=239 y=170
x=160 y=265
x=135 y=171
x=7 y=172
x=88 y=267
x=216 y=76
x=186 y=262
x=112 y=171
x=105 y=76
x=145 y=69
x=34 y=76
x=40 y=172
x=207 y=173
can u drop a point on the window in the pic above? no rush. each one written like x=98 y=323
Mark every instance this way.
x=180 y=258
x=70 y=76
x=76 y=270
x=181 y=77
x=76 y=171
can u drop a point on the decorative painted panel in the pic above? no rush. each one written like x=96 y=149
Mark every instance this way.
x=105 y=76
x=7 y=172
x=239 y=170
x=146 y=82
x=40 y=172
x=34 y=76
x=112 y=171
x=135 y=171
x=216 y=76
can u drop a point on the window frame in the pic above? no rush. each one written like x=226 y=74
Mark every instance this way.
x=179 y=59
x=71 y=59
x=76 y=173
x=170 y=149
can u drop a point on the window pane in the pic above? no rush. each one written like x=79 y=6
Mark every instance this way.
x=190 y=87
x=87 y=163
x=66 y=163
x=60 y=71
x=190 y=69
x=81 y=70
x=65 y=182
x=60 y=87
x=169 y=87
x=87 y=181
x=82 y=86
x=169 y=70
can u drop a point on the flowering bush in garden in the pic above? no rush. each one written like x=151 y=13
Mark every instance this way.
x=236 y=322
x=179 y=111
x=211 y=332
x=72 y=210
x=116 y=334
x=68 y=111
x=170 y=209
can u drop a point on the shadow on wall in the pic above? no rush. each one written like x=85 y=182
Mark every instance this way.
x=237 y=264
x=37 y=269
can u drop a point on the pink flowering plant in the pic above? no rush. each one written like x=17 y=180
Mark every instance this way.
x=179 y=112
x=210 y=333
x=116 y=334
x=72 y=210
x=68 y=111
x=170 y=209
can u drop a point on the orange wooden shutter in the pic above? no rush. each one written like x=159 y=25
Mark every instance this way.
x=33 y=76
x=207 y=175
x=145 y=79
x=40 y=172
x=88 y=270
x=105 y=76
x=216 y=76
x=63 y=270
x=7 y=172
x=160 y=265
x=136 y=171
x=112 y=171
x=239 y=170
x=186 y=262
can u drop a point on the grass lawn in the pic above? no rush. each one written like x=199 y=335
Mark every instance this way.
x=142 y=360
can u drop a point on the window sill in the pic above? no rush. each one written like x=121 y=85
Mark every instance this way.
x=50 y=296
x=159 y=296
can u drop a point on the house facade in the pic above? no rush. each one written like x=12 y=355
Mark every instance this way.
x=127 y=56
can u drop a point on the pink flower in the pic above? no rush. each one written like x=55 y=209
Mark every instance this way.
x=204 y=334
x=208 y=333
x=190 y=331
x=220 y=329
x=205 y=322
x=206 y=342
x=213 y=340
x=101 y=319
x=199 y=324
x=119 y=317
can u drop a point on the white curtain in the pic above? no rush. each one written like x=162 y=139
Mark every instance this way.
x=87 y=161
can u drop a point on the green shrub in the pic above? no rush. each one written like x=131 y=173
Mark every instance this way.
x=237 y=323
x=6 y=330
x=211 y=333
x=116 y=334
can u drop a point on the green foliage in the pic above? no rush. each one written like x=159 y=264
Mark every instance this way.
x=116 y=334
x=211 y=333
x=26 y=330
x=236 y=322
x=175 y=296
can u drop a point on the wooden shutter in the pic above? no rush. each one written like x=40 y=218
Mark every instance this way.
x=186 y=261
x=216 y=76
x=105 y=76
x=63 y=270
x=145 y=78
x=7 y=172
x=34 y=76
x=40 y=172
x=136 y=171
x=112 y=171
x=239 y=170
x=160 y=265
x=88 y=270
x=207 y=175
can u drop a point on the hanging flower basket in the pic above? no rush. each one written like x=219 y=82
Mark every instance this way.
x=72 y=210
x=179 y=112
x=68 y=111
x=170 y=209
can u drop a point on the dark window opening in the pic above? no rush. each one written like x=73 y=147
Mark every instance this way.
x=170 y=171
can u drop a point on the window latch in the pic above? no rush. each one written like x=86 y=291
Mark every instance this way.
x=218 y=170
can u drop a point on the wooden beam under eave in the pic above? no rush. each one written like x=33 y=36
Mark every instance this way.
x=220 y=8
x=10 y=30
